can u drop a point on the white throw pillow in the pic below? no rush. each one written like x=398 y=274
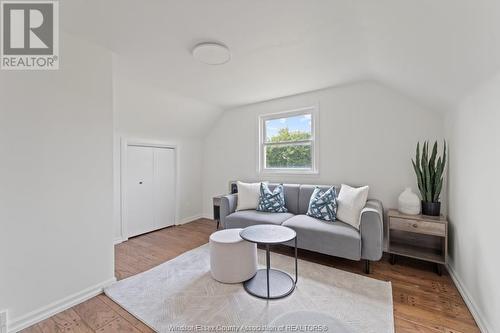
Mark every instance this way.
x=248 y=195
x=350 y=203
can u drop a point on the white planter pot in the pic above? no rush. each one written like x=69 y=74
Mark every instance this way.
x=409 y=202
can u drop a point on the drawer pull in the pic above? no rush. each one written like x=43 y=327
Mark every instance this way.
x=415 y=225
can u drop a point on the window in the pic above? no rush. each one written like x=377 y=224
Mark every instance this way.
x=288 y=142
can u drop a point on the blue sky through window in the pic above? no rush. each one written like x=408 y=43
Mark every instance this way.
x=300 y=123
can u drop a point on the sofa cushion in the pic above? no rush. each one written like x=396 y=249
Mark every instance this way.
x=291 y=192
x=248 y=195
x=305 y=193
x=350 y=204
x=323 y=204
x=333 y=238
x=245 y=218
x=271 y=201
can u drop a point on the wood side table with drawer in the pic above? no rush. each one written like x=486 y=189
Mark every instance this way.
x=418 y=236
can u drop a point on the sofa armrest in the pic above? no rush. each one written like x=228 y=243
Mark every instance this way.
x=372 y=230
x=227 y=206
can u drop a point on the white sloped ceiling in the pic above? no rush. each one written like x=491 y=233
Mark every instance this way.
x=434 y=51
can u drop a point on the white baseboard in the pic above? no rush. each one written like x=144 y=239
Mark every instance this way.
x=18 y=324
x=189 y=219
x=118 y=241
x=480 y=319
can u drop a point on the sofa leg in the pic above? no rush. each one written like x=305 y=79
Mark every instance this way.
x=367 y=266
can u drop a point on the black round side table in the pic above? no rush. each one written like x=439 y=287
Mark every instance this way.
x=270 y=283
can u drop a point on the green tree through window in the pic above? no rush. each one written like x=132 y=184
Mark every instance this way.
x=291 y=152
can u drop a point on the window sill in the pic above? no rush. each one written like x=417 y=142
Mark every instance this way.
x=289 y=172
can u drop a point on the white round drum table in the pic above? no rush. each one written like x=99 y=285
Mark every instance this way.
x=232 y=259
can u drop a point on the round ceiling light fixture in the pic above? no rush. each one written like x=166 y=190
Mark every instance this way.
x=211 y=53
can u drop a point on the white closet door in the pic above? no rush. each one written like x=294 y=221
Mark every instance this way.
x=139 y=198
x=164 y=187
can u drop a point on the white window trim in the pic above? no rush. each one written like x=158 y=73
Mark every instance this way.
x=314 y=170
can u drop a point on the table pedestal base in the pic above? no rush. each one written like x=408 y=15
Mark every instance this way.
x=280 y=284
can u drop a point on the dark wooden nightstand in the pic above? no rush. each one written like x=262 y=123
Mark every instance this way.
x=418 y=236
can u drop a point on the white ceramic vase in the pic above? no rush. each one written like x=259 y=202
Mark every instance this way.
x=409 y=202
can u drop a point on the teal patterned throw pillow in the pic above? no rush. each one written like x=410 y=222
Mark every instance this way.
x=272 y=202
x=323 y=204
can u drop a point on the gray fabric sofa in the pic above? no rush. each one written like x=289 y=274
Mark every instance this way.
x=332 y=238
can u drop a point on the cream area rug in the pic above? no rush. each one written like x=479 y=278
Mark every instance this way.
x=181 y=296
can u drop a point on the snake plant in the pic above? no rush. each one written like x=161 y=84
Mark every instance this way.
x=429 y=171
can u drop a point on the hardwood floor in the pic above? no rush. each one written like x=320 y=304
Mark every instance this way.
x=423 y=301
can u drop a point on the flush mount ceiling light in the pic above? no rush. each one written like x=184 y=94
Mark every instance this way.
x=212 y=53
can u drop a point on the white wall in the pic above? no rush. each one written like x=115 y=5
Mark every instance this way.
x=56 y=181
x=143 y=112
x=368 y=134
x=474 y=180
